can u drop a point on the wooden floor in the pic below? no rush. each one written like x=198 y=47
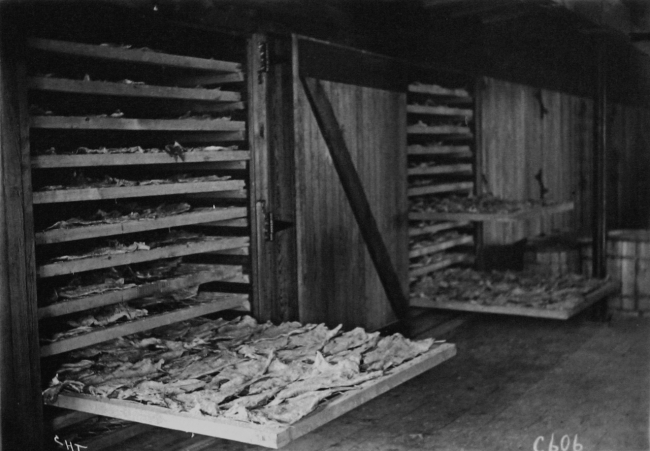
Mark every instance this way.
x=515 y=382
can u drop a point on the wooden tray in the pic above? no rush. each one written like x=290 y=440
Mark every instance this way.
x=127 y=159
x=235 y=301
x=128 y=55
x=440 y=111
x=202 y=274
x=448 y=260
x=268 y=436
x=493 y=217
x=159 y=125
x=441 y=169
x=437 y=227
x=441 y=246
x=130 y=90
x=434 y=189
x=123 y=192
x=606 y=290
x=139 y=225
x=459 y=151
x=60 y=268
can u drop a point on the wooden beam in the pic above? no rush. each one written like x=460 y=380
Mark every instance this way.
x=599 y=201
x=331 y=131
x=21 y=408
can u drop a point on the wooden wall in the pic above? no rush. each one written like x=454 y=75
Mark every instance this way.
x=21 y=408
x=337 y=280
x=520 y=136
x=628 y=167
x=517 y=142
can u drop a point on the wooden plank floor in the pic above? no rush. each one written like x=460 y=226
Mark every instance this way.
x=514 y=380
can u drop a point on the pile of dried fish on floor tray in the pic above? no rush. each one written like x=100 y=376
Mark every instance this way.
x=241 y=380
x=510 y=293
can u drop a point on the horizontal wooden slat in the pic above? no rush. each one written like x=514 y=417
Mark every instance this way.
x=270 y=436
x=105 y=88
x=438 y=130
x=140 y=325
x=158 y=287
x=449 y=260
x=438 y=91
x=589 y=299
x=211 y=79
x=441 y=169
x=90 y=160
x=461 y=151
x=132 y=55
x=107 y=261
x=122 y=192
x=239 y=194
x=439 y=111
x=239 y=222
x=434 y=228
x=110 y=123
x=494 y=217
x=210 y=138
x=441 y=188
x=439 y=247
x=95 y=231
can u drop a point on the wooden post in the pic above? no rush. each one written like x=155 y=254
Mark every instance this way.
x=599 y=215
x=272 y=179
x=351 y=182
x=258 y=187
x=477 y=149
x=21 y=408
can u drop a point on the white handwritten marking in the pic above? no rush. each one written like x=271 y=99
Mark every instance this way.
x=565 y=444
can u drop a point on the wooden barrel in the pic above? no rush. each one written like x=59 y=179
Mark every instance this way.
x=553 y=255
x=628 y=260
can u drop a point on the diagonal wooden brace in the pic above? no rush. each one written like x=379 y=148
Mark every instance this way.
x=331 y=131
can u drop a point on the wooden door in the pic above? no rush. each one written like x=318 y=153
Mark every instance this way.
x=272 y=184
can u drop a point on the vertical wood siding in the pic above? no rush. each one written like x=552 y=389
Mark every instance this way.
x=628 y=167
x=337 y=280
x=517 y=142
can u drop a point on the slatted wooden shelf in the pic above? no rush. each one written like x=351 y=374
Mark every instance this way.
x=127 y=55
x=441 y=169
x=459 y=151
x=609 y=289
x=105 y=88
x=442 y=188
x=264 y=435
x=439 y=130
x=128 y=159
x=142 y=225
x=435 y=228
x=203 y=274
x=107 y=261
x=440 y=111
x=495 y=217
x=139 y=325
x=111 y=123
x=448 y=260
x=123 y=192
x=439 y=247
